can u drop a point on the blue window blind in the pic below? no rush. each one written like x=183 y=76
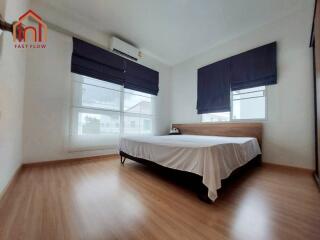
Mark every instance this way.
x=98 y=63
x=214 y=88
x=142 y=79
x=254 y=68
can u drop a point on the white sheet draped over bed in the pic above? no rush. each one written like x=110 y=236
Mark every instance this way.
x=212 y=157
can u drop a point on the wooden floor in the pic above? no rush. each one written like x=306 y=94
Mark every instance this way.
x=100 y=199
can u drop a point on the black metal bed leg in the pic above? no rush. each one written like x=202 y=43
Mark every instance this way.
x=122 y=160
x=203 y=194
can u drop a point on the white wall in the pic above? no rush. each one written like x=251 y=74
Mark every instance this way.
x=12 y=77
x=48 y=91
x=289 y=130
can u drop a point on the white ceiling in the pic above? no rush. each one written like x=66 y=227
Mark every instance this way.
x=175 y=30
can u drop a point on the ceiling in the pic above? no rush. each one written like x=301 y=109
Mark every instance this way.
x=175 y=30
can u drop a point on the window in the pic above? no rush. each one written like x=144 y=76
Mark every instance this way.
x=137 y=112
x=246 y=104
x=103 y=111
x=249 y=103
x=216 y=117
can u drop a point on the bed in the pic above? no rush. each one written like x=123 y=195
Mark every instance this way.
x=211 y=151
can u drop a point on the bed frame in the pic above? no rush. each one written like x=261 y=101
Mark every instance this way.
x=209 y=129
x=247 y=129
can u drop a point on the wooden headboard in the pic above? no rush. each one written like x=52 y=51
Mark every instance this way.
x=223 y=129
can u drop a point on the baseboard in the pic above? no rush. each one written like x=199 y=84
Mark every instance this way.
x=316 y=177
x=71 y=160
x=10 y=183
x=306 y=170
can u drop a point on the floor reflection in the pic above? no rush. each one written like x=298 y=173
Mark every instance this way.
x=253 y=218
x=124 y=204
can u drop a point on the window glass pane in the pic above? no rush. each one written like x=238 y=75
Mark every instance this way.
x=97 y=123
x=131 y=124
x=246 y=104
x=96 y=82
x=103 y=110
x=255 y=94
x=137 y=93
x=216 y=117
x=250 y=90
x=146 y=125
x=137 y=104
x=137 y=124
x=96 y=97
x=249 y=103
x=251 y=108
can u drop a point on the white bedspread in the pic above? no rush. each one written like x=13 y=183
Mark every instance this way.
x=212 y=157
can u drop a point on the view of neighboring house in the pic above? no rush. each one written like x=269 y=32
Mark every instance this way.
x=134 y=122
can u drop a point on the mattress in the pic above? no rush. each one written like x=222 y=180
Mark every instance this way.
x=212 y=157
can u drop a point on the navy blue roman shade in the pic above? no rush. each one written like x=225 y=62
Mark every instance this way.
x=141 y=78
x=214 y=88
x=96 y=62
x=254 y=68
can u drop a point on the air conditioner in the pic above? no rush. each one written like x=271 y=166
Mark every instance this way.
x=125 y=49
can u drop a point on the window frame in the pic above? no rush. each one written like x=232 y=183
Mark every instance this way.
x=243 y=120
x=75 y=106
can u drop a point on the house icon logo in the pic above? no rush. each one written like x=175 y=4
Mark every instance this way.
x=29 y=36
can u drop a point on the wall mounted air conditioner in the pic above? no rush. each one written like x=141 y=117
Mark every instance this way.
x=125 y=49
